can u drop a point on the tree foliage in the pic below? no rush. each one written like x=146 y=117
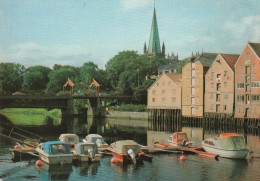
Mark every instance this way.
x=11 y=76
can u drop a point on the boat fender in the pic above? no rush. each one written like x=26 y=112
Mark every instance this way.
x=39 y=163
x=183 y=158
x=114 y=160
x=17 y=147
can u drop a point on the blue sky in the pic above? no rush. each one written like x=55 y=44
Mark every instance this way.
x=71 y=32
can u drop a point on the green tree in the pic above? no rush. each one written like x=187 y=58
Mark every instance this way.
x=36 y=78
x=59 y=76
x=11 y=77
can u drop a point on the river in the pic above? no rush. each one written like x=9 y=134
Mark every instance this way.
x=163 y=166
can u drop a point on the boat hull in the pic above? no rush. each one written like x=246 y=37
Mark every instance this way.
x=55 y=159
x=87 y=158
x=237 y=154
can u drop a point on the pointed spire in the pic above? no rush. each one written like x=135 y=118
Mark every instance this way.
x=163 y=49
x=145 y=48
x=192 y=54
x=154 y=37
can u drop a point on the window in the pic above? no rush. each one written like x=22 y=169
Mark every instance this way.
x=218 y=76
x=212 y=74
x=193 y=73
x=218 y=86
x=193 y=110
x=253 y=75
x=253 y=66
x=255 y=97
x=241 y=76
x=197 y=71
x=211 y=96
x=226 y=96
x=174 y=99
x=197 y=80
x=247 y=70
x=241 y=67
x=225 y=73
x=169 y=83
x=247 y=56
x=192 y=81
x=240 y=85
x=163 y=91
x=187 y=99
x=240 y=98
x=247 y=88
x=197 y=99
x=217 y=108
x=153 y=92
x=163 y=99
x=187 y=81
x=188 y=72
x=225 y=84
x=255 y=83
x=193 y=91
x=193 y=100
x=173 y=91
x=187 y=89
x=153 y=99
x=197 y=89
x=163 y=83
x=192 y=65
x=218 y=97
x=211 y=107
x=224 y=107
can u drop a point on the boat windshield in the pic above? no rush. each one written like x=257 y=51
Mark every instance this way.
x=98 y=141
x=232 y=143
x=135 y=148
x=59 y=149
x=86 y=149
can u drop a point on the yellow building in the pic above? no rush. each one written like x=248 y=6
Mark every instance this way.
x=165 y=92
x=193 y=84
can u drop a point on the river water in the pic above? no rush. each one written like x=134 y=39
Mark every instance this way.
x=163 y=166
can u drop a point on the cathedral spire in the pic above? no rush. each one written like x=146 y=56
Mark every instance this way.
x=154 y=40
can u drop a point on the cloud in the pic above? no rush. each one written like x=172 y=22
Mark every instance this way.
x=31 y=53
x=134 y=4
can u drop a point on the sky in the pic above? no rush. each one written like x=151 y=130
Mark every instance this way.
x=72 y=32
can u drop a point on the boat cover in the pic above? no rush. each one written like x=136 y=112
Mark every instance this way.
x=96 y=138
x=232 y=143
x=55 y=147
x=69 y=138
x=83 y=148
x=123 y=146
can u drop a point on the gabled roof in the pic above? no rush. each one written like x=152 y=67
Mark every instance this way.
x=256 y=48
x=175 y=77
x=69 y=82
x=231 y=59
x=95 y=83
x=206 y=59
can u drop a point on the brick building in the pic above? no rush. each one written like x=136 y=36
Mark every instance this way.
x=247 y=82
x=165 y=92
x=219 y=85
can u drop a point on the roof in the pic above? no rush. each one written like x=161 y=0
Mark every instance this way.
x=95 y=83
x=53 y=142
x=94 y=135
x=169 y=66
x=69 y=82
x=154 y=36
x=175 y=77
x=256 y=48
x=123 y=146
x=227 y=135
x=231 y=59
x=206 y=59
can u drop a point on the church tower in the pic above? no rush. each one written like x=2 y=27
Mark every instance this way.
x=154 y=47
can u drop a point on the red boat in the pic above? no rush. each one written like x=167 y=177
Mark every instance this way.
x=127 y=151
x=179 y=139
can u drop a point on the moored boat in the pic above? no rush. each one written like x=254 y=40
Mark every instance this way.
x=87 y=151
x=180 y=139
x=228 y=145
x=127 y=151
x=95 y=138
x=55 y=152
x=70 y=139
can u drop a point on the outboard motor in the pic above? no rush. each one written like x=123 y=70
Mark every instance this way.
x=91 y=153
x=132 y=155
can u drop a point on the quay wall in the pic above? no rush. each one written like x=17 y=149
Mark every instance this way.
x=127 y=115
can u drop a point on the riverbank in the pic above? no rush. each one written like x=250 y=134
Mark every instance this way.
x=127 y=115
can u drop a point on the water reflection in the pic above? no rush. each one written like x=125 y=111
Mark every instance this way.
x=56 y=172
x=85 y=168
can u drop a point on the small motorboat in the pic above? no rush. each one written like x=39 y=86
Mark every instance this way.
x=25 y=150
x=70 y=139
x=127 y=151
x=55 y=152
x=95 y=138
x=86 y=151
x=180 y=139
x=228 y=145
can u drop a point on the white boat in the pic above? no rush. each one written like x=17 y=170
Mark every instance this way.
x=180 y=139
x=55 y=152
x=228 y=145
x=95 y=138
x=70 y=139
x=86 y=151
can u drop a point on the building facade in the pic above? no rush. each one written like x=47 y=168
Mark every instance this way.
x=165 y=92
x=219 y=85
x=193 y=84
x=247 y=82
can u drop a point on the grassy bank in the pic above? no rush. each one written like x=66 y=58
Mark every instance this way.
x=31 y=116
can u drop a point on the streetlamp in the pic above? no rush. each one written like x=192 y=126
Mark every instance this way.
x=137 y=77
